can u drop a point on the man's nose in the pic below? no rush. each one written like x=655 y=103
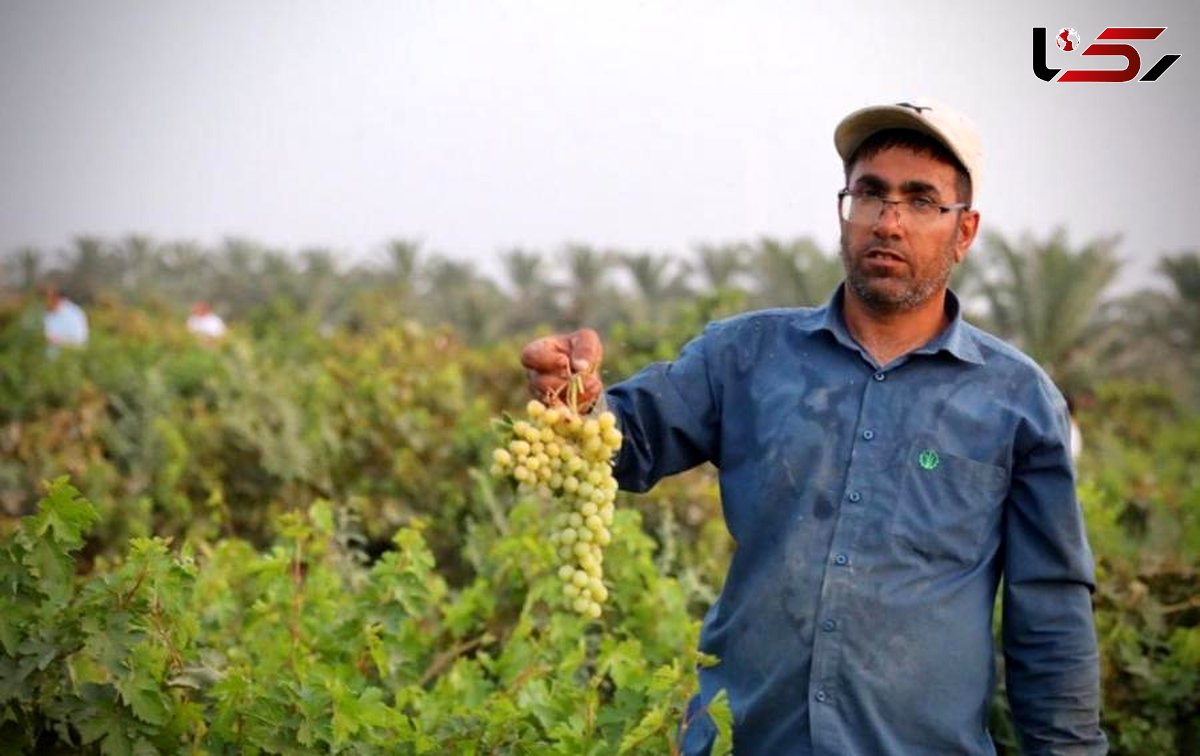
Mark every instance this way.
x=890 y=220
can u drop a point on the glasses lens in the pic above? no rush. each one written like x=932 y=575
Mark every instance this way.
x=867 y=208
x=845 y=206
x=922 y=210
x=860 y=208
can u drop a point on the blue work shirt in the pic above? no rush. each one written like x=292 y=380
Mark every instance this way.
x=875 y=509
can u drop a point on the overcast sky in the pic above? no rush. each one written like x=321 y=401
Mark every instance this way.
x=479 y=126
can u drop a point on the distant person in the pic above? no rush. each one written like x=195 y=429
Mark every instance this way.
x=64 y=323
x=206 y=323
x=1076 y=433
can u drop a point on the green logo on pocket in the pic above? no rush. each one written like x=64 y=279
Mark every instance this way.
x=928 y=459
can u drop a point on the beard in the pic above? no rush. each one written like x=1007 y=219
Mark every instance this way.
x=896 y=292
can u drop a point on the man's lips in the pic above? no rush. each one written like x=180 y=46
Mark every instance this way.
x=884 y=255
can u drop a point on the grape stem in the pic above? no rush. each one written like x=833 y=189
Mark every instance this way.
x=572 y=389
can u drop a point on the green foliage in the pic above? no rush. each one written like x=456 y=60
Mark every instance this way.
x=303 y=648
x=285 y=546
x=92 y=663
x=1142 y=500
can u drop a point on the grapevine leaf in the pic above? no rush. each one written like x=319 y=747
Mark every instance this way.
x=145 y=699
x=322 y=517
x=65 y=512
x=52 y=568
x=722 y=717
x=651 y=723
x=627 y=664
x=108 y=722
x=13 y=618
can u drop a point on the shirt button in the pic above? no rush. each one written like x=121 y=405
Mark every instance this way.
x=880 y=376
x=855 y=496
x=828 y=626
x=821 y=696
x=841 y=559
x=868 y=434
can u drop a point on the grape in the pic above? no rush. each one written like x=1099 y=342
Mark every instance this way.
x=555 y=453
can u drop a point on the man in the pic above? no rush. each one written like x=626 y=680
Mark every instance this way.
x=64 y=323
x=882 y=465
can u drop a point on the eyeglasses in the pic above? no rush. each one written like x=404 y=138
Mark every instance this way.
x=867 y=207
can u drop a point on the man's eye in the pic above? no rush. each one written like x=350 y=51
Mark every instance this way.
x=922 y=203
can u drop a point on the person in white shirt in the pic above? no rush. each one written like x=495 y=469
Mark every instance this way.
x=1076 y=433
x=204 y=322
x=64 y=323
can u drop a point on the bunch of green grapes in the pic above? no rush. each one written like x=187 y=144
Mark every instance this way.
x=567 y=457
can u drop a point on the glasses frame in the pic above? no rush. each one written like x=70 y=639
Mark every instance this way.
x=844 y=208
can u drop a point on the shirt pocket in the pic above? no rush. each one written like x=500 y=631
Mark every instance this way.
x=946 y=503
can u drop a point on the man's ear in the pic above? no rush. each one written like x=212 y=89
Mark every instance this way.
x=968 y=227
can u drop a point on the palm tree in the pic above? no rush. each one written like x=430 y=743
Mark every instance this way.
x=236 y=274
x=533 y=294
x=720 y=266
x=1159 y=330
x=1045 y=297
x=587 y=288
x=319 y=286
x=403 y=258
x=136 y=256
x=793 y=274
x=186 y=272
x=28 y=261
x=463 y=299
x=1182 y=317
x=91 y=270
x=655 y=284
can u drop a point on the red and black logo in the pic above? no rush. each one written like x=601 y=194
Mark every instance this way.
x=1067 y=40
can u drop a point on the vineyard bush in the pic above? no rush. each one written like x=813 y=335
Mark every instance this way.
x=304 y=648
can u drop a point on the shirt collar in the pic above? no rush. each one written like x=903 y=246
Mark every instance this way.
x=955 y=338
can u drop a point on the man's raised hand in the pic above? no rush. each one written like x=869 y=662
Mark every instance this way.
x=554 y=361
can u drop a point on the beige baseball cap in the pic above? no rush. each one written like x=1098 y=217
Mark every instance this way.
x=951 y=128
